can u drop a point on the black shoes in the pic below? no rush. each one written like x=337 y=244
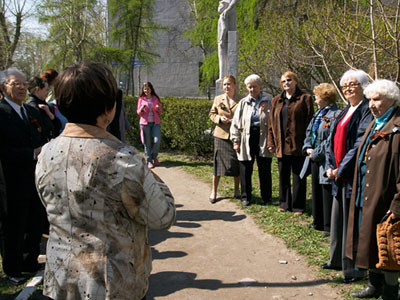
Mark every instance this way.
x=351 y=279
x=16 y=280
x=316 y=227
x=330 y=267
x=368 y=292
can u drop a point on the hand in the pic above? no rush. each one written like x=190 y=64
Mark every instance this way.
x=47 y=110
x=335 y=173
x=271 y=149
x=393 y=215
x=36 y=152
x=329 y=173
x=309 y=152
x=332 y=174
x=225 y=120
x=157 y=107
x=236 y=147
x=143 y=108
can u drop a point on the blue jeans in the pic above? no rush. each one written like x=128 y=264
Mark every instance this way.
x=152 y=139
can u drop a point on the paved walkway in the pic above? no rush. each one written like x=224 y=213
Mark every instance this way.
x=217 y=252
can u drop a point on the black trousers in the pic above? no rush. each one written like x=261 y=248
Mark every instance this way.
x=291 y=164
x=23 y=226
x=321 y=200
x=264 y=170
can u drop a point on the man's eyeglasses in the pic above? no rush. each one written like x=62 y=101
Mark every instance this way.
x=350 y=85
x=17 y=84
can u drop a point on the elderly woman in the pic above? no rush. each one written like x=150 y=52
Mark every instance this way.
x=249 y=137
x=291 y=112
x=99 y=196
x=314 y=146
x=376 y=187
x=45 y=116
x=346 y=136
x=225 y=159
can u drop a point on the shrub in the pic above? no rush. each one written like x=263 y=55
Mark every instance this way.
x=185 y=125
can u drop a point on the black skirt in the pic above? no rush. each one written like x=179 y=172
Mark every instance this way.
x=225 y=158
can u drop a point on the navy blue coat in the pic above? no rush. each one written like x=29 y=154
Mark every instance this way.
x=321 y=141
x=356 y=127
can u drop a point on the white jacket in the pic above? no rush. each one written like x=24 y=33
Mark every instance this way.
x=240 y=128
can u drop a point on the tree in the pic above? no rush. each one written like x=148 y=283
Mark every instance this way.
x=203 y=34
x=77 y=29
x=32 y=53
x=17 y=10
x=131 y=35
x=316 y=39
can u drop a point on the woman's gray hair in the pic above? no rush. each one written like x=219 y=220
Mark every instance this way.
x=252 y=78
x=384 y=88
x=4 y=75
x=359 y=75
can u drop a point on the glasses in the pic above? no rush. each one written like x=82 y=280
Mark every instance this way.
x=350 y=85
x=17 y=84
x=286 y=80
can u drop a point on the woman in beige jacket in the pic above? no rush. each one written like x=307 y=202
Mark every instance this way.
x=99 y=195
x=221 y=113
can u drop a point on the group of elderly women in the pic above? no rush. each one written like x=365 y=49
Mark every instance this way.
x=352 y=154
x=255 y=128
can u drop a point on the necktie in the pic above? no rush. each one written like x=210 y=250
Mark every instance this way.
x=24 y=117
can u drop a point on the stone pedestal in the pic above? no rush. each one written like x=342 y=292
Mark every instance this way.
x=232 y=61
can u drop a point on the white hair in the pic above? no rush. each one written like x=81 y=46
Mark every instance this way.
x=252 y=78
x=359 y=75
x=4 y=75
x=384 y=88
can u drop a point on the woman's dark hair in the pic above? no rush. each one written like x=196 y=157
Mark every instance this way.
x=85 y=91
x=49 y=75
x=153 y=92
x=35 y=82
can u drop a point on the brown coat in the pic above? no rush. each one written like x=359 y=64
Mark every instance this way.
x=300 y=112
x=221 y=108
x=381 y=192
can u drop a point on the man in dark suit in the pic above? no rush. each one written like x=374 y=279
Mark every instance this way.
x=21 y=229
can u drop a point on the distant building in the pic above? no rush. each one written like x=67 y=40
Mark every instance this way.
x=176 y=71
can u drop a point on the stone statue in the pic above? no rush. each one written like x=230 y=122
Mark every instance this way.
x=226 y=22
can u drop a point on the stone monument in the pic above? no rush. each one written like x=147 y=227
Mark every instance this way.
x=227 y=42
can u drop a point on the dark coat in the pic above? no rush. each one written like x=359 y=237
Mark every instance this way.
x=321 y=141
x=18 y=141
x=50 y=129
x=356 y=127
x=381 y=192
x=300 y=111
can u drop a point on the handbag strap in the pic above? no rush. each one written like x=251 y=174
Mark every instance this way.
x=385 y=217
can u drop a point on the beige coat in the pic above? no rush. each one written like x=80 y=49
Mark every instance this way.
x=240 y=129
x=100 y=199
x=221 y=108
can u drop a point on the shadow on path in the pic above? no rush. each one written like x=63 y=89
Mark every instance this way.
x=171 y=163
x=166 y=283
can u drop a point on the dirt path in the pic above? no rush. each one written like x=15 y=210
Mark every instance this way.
x=217 y=252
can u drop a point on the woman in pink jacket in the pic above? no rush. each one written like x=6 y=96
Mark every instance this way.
x=149 y=110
